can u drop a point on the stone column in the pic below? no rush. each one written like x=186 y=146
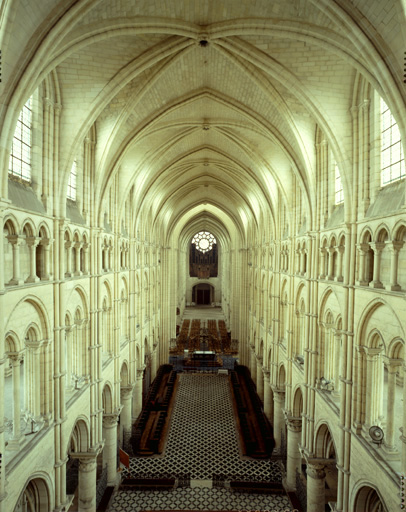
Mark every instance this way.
x=68 y=247
x=87 y=481
x=17 y=440
x=45 y=242
x=393 y=366
x=323 y=253
x=331 y=251
x=32 y=243
x=68 y=352
x=110 y=447
x=294 y=457
x=126 y=394
x=253 y=364
x=77 y=246
x=297 y=262
x=268 y=398
x=316 y=486
x=260 y=379
x=340 y=250
x=377 y=248
x=153 y=363
x=372 y=399
x=86 y=259
x=279 y=421
x=110 y=257
x=15 y=241
x=35 y=391
x=337 y=357
x=137 y=394
x=362 y=250
x=302 y=262
x=403 y=429
x=394 y=248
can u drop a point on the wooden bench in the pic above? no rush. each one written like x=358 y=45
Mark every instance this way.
x=144 y=484
x=257 y=487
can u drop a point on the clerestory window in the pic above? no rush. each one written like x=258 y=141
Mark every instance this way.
x=339 y=192
x=392 y=156
x=71 y=192
x=20 y=156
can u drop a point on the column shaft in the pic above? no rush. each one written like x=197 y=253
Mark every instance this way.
x=110 y=448
x=315 y=488
x=87 y=484
x=293 y=454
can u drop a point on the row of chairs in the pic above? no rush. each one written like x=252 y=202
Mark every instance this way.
x=148 y=429
x=214 y=340
x=182 y=339
x=194 y=336
x=225 y=338
x=256 y=431
x=263 y=423
x=156 y=431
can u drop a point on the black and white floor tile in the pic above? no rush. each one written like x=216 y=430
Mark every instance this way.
x=202 y=453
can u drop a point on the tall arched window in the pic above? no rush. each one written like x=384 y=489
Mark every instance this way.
x=20 y=156
x=392 y=156
x=339 y=192
x=71 y=192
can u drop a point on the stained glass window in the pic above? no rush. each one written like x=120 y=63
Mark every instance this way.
x=204 y=241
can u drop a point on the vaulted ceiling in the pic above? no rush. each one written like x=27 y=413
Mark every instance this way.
x=209 y=108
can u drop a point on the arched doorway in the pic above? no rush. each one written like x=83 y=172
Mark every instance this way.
x=325 y=450
x=368 y=500
x=203 y=294
x=34 y=498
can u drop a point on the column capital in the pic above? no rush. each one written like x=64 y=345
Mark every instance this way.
x=110 y=420
x=294 y=424
x=364 y=247
x=32 y=241
x=126 y=392
x=16 y=357
x=266 y=373
x=34 y=345
x=377 y=246
x=393 y=365
x=279 y=394
x=15 y=240
x=140 y=372
x=88 y=457
x=316 y=471
x=395 y=245
x=365 y=104
x=316 y=466
x=46 y=242
x=372 y=352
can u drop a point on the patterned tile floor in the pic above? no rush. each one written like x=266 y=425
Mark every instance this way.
x=202 y=445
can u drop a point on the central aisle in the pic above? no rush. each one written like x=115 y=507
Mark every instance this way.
x=202 y=452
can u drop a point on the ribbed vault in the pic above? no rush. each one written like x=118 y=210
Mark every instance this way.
x=202 y=105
